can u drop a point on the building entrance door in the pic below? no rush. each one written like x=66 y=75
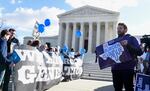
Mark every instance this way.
x=86 y=44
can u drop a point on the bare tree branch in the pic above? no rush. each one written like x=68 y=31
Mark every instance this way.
x=1 y=22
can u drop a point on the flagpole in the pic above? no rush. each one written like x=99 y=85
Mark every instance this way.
x=35 y=32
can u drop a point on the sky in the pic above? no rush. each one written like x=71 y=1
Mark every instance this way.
x=22 y=14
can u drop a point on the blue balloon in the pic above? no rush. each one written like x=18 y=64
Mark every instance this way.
x=65 y=48
x=41 y=28
x=78 y=33
x=82 y=51
x=47 y=22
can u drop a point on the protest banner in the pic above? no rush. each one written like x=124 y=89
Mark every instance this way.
x=36 y=71
x=72 y=68
x=111 y=52
x=142 y=82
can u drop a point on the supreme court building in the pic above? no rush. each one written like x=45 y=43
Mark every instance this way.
x=96 y=25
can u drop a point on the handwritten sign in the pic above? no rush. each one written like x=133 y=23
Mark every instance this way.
x=36 y=71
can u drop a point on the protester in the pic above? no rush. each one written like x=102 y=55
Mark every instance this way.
x=12 y=41
x=147 y=59
x=56 y=51
x=36 y=44
x=42 y=48
x=47 y=46
x=140 y=64
x=29 y=42
x=123 y=73
x=72 y=54
x=4 y=61
x=50 y=52
x=140 y=67
x=142 y=59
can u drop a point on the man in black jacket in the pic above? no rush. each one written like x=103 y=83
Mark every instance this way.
x=123 y=73
x=12 y=40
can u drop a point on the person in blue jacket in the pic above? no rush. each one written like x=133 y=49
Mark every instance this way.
x=4 y=36
x=11 y=43
x=123 y=73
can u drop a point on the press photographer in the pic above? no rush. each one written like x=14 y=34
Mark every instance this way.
x=146 y=39
x=146 y=59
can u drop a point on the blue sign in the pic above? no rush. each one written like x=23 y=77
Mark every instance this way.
x=14 y=57
x=82 y=51
x=110 y=53
x=142 y=82
x=65 y=48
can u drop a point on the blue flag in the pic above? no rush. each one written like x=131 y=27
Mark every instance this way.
x=14 y=57
x=110 y=53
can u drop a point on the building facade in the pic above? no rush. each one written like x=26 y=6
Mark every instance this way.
x=95 y=24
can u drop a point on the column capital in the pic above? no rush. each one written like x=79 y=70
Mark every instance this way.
x=60 y=22
x=82 y=22
x=90 y=22
x=74 y=23
x=99 y=22
x=115 y=22
x=67 y=22
x=106 y=22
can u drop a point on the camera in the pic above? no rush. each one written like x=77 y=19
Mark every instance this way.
x=146 y=39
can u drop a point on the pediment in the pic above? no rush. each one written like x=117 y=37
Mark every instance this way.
x=88 y=10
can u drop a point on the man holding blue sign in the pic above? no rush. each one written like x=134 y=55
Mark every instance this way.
x=123 y=72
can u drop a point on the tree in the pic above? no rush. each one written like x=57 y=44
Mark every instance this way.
x=1 y=23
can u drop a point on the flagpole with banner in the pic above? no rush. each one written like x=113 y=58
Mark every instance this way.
x=36 y=33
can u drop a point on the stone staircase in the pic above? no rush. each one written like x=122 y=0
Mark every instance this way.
x=92 y=71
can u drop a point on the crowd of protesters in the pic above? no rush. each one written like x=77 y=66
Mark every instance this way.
x=8 y=42
x=122 y=73
x=64 y=52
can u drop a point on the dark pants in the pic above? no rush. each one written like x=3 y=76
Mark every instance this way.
x=146 y=65
x=123 y=78
x=2 y=73
x=148 y=69
x=6 y=78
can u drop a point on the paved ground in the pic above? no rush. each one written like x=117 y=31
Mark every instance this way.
x=83 y=85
